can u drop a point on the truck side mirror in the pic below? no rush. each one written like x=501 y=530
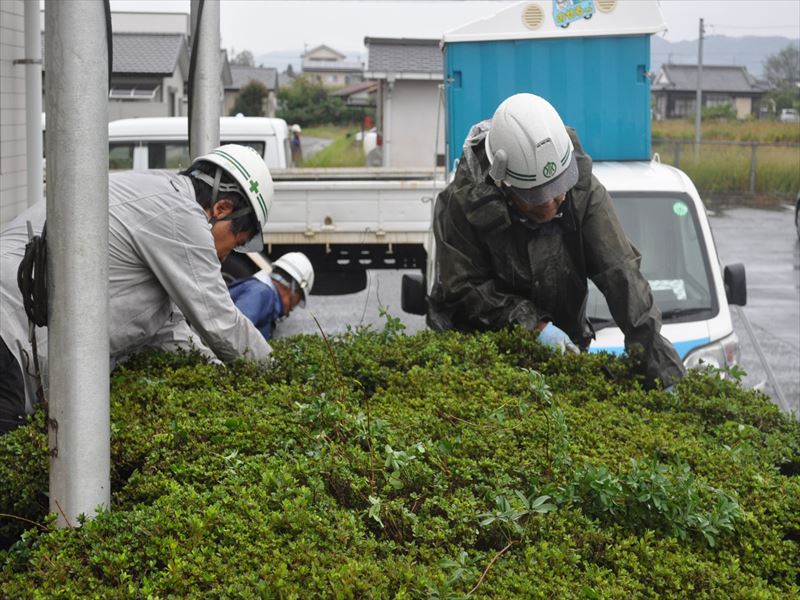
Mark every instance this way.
x=412 y=294
x=735 y=284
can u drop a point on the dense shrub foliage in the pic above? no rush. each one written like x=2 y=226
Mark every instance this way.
x=376 y=465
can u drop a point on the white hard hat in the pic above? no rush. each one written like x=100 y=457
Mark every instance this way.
x=297 y=266
x=529 y=148
x=250 y=171
x=296 y=128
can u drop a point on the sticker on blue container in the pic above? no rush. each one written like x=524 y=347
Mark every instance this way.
x=567 y=11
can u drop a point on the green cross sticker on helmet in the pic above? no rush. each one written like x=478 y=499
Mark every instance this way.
x=249 y=170
x=527 y=136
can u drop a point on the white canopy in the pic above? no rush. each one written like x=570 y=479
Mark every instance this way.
x=537 y=20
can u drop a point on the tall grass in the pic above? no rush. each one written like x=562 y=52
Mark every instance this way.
x=740 y=131
x=719 y=168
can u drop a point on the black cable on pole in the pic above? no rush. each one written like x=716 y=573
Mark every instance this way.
x=193 y=65
x=32 y=278
x=109 y=41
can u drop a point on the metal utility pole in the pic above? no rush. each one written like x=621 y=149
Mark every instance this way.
x=33 y=100
x=699 y=101
x=76 y=56
x=205 y=87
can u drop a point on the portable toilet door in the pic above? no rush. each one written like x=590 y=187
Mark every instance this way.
x=589 y=58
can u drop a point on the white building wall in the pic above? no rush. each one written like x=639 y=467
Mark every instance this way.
x=13 y=186
x=414 y=109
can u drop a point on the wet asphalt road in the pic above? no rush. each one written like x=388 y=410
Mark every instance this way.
x=763 y=239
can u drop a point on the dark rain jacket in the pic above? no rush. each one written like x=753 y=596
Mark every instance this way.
x=494 y=268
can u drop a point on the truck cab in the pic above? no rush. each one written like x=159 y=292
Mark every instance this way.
x=665 y=219
x=163 y=142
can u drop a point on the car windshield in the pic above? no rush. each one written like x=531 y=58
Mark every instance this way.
x=666 y=231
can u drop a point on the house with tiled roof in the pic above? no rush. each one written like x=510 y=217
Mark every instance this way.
x=149 y=75
x=241 y=75
x=330 y=67
x=674 y=90
x=410 y=107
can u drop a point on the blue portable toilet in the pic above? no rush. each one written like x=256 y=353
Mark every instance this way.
x=589 y=58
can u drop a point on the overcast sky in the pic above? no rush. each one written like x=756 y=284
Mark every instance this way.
x=261 y=26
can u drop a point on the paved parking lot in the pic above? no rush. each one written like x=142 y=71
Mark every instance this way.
x=763 y=239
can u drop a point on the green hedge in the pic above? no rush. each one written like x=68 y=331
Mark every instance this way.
x=376 y=465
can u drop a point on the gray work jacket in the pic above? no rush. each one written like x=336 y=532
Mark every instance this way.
x=495 y=268
x=163 y=270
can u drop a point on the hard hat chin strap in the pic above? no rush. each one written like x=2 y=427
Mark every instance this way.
x=216 y=187
x=291 y=285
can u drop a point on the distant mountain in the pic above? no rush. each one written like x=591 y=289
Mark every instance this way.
x=750 y=51
x=281 y=59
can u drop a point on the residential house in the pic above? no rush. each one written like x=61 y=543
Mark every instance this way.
x=674 y=90
x=241 y=75
x=357 y=94
x=410 y=107
x=331 y=68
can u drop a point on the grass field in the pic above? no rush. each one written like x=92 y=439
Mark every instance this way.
x=740 y=131
x=344 y=151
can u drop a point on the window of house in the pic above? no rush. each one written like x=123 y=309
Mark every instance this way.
x=134 y=92
x=717 y=100
x=683 y=107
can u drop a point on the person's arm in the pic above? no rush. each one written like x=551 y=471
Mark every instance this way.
x=178 y=247
x=613 y=264
x=467 y=285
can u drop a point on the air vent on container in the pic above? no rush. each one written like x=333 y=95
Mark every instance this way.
x=533 y=16
x=606 y=5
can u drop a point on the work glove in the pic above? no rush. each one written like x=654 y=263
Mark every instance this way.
x=555 y=338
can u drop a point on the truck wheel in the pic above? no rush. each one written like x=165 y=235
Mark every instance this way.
x=237 y=266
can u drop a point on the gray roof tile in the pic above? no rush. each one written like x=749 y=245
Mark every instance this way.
x=403 y=55
x=153 y=53
x=242 y=75
x=716 y=78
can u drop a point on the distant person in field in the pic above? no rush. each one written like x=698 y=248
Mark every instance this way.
x=297 y=148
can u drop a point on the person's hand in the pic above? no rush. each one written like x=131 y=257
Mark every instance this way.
x=552 y=336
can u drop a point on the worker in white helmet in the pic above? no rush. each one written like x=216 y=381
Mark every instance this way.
x=522 y=227
x=168 y=234
x=270 y=295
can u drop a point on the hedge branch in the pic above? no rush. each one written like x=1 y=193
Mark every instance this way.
x=489 y=566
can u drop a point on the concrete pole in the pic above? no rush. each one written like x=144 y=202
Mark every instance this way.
x=206 y=89
x=699 y=100
x=33 y=100
x=77 y=259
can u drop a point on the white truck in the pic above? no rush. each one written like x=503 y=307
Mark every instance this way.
x=345 y=220
x=664 y=217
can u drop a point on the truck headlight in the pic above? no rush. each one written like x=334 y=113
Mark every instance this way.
x=720 y=355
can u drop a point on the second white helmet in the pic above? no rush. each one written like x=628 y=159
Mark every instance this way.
x=529 y=148
x=297 y=266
